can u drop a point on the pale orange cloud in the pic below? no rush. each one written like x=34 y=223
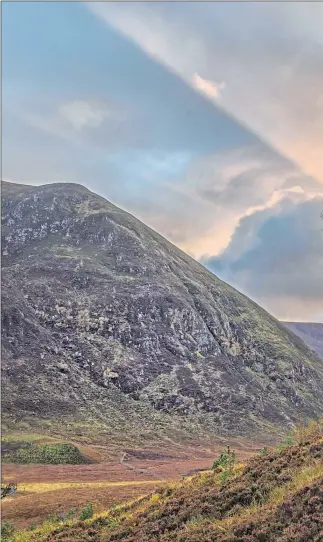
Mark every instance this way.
x=293 y=308
x=210 y=88
x=307 y=151
x=213 y=241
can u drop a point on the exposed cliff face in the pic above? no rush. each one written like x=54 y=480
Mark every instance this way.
x=102 y=315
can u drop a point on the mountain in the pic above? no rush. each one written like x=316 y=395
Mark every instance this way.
x=108 y=327
x=310 y=333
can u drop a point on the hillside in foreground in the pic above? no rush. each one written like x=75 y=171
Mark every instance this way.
x=310 y=333
x=110 y=330
x=276 y=496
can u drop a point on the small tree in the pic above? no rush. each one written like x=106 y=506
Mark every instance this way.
x=226 y=459
x=226 y=463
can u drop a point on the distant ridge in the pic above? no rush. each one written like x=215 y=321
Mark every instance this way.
x=310 y=332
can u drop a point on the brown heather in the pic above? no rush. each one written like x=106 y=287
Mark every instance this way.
x=275 y=497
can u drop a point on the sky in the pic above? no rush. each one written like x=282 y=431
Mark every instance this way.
x=204 y=120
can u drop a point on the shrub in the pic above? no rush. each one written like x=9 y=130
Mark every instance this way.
x=54 y=454
x=154 y=498
x=8 y=489
x=53 y=518
x=7 y=530
x=308 y=431
x=112 y=522
x=86 y=512
x=70 y=514
x=225 y=475
x=285 y=444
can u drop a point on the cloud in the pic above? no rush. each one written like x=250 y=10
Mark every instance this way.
x=269 y=55
x=80 y=114
x=210 y=88
x=202 y=205
x=276 y=257
x=127 y=103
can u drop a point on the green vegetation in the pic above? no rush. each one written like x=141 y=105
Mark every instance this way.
x=7 y=530
x=53 y=454
x=70 y=514
x=226 y=463
x=285 y=444
x=86 y=512
x=226 y=459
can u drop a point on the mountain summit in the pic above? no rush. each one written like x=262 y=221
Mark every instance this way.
x=105 y=321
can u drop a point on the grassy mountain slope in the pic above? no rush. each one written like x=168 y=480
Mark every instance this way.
x=107 y=325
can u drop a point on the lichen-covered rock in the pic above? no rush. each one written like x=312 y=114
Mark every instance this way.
x=100 y=310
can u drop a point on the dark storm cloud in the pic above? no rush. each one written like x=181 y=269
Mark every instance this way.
x=284 y=256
